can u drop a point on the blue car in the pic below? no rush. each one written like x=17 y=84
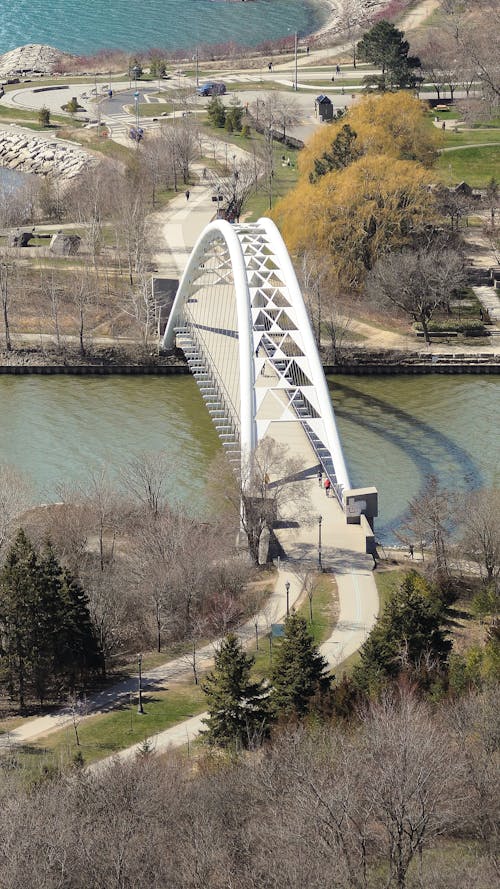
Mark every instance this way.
x=211 y=88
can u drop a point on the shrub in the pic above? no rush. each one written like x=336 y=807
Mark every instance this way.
x=469 y=327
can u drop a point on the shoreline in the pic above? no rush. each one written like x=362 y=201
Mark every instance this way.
x=136 y=361
x=326 y=10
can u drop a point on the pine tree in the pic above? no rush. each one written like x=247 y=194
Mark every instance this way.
x=408 y=631
x=299 y=671
x=238 y=712
x=47 y=641
x=17 y=612
x=216 y=112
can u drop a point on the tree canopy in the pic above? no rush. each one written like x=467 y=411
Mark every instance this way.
x=47 y=641
x=299 y=672
x=408 y=633
x=363 y=187
x=384 y=46
x=237 y=707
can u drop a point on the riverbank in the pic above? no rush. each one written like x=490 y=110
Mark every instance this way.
x=137 y=361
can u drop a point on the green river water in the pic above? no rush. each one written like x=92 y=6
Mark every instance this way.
x=395 y=431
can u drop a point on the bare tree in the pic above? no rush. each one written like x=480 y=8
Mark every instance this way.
x=130 y=212
x=15 y=497
x=53 y=290
x=353 y=17
x=411 y=781
x=236 y=189
x=5 y=295
x=83 y=295
x=430 y=521
x=479 y=513
x=417 y=282
x=475 y=28
x=148 y=477
x=271 y=488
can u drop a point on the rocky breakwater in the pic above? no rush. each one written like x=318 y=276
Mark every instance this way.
x=33 y=154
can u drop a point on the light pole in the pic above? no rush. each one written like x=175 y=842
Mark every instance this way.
x=320 y=564
x=140 y=708
x=257 y=635
x=296 y=85
x=287 y=588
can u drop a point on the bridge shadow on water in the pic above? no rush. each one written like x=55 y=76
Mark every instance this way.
x=400 y=429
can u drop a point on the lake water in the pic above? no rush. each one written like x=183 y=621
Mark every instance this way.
x=395 y=431
x=86 y=26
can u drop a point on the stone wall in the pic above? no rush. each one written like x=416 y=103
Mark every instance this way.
x=32 y=154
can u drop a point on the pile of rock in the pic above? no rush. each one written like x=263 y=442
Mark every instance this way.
x=33 y=154
x=34 y=58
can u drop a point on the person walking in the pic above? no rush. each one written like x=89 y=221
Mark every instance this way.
x=327 y=486
x=410 y=547
x=320 y=477
x=187 y=194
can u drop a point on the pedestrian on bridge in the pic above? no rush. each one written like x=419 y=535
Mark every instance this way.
x=328 y=485
x=320 y=477
x=187 y=194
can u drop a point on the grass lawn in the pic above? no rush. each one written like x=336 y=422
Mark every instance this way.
x=471 y=137
x=104 y=146
x=152 y=109
x=7 y=112
x=324 y=608
x=452 y=114
x=103 y=735
x=476 y=166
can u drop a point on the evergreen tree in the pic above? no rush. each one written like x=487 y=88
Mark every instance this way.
x=234 y=113
x=384 y=46
x=216 y=112
x=409 y=630
x=17 y=613
x=47 y=642
x=238 y=712
x=299 y=671
x=343 y=151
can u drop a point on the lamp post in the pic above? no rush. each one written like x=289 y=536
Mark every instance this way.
x=136 y=100
x=140 y=708
x=257 y=635
x=320 y=564
x=287 y=588
x=296 y=84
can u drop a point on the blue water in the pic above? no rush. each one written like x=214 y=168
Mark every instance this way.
x=84 y=26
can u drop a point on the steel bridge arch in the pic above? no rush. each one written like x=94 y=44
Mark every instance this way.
x=238 y=313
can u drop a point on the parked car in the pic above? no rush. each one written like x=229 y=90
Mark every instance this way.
x=211 y=88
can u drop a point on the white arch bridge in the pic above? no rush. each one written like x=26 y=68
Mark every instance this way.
x=240 y=319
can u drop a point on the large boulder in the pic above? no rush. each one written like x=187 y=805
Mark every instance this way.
x=65 y=245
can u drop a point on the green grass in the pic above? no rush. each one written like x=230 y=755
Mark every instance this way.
x=324 y=618
x=106 y=146
x=106 y=734
x=8 y=112
x=452 y=114
x=470 y=137
x=476 y=166
x=152 y=109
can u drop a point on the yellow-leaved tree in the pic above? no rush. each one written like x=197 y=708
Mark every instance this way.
x=357 y=214
x=363 y=187
x=395 y=124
